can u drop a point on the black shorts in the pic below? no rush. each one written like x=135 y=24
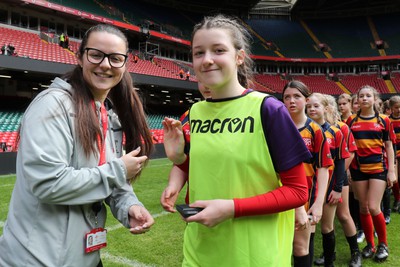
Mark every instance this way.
x=357 y=175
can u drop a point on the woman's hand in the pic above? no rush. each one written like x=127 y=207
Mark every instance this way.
x=133 y=164
x=140 y=219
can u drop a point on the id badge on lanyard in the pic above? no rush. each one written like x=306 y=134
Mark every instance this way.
x=97 y=237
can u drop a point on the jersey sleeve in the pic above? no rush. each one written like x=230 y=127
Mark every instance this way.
x=285 y=144
x=341 y=146
x=322 y=153
x=392 y=134
x=348 y=137
x=292 y=194
x=184 y=119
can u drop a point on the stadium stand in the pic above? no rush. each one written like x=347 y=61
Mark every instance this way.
x=29 y=44
x=296 y=39
x=354 y=82
x=159 y=67
x=291 y=38
x=9 y=124
x=395 y=78
x=320 y=84
x=346 y=37
x=94 y=7
x=389 y=32
x=10 y=121
x=272 y=81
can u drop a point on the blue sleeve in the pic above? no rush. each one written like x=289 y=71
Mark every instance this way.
x=339 y=173
x=285 y=144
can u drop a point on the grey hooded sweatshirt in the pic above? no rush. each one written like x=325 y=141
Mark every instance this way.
x=51 y=207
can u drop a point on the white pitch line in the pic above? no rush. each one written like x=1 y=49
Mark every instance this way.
x=6 y=185
x=1 y=224
x=123 y=260
x=159 y=165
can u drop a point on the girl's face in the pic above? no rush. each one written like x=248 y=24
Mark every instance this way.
x=102 y=77
x=396 y=110
x=215 y=59
x=366 y=99
x=344 y=106
x=355 y=106
x=315 y=109
x=294 y=101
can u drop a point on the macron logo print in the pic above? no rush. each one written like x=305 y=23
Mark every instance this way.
x=232 y=125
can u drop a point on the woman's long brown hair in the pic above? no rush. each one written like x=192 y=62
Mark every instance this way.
x=125 y=102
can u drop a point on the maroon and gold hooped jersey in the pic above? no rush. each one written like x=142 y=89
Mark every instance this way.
x=315 y=140
x=370 y=135
x=338 y=148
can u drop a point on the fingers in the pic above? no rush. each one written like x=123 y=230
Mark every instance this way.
x=302 y=226
x=135 y=152
x=170 y=124
x=139 y=230
x=141 y=220
x=167 y=202
x=314 y=219
x=199 y=204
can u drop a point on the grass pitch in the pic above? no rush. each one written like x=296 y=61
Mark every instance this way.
x=162 y=245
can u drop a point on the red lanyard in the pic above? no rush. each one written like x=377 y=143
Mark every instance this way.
x=104 y=123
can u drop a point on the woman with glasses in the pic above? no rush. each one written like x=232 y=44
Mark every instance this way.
x=70 y=161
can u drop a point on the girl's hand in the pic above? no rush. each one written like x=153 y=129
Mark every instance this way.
x=168 y=198
x=316 y=212
x=391 y=179
x=174 y=143
x=334 y=198
x=301 y=219
x=215 y=212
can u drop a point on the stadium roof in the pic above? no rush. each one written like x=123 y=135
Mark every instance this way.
x=275 y=4
x=205 y=6
x=324 y=8
x=348 y=8
x=302 y=8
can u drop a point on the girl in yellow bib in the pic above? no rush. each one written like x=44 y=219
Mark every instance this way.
x=246 y=157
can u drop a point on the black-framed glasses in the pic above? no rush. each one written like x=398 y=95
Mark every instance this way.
x=96 y=56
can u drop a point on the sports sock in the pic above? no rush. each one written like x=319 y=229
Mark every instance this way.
x=396 y=192
x=328 y=244
x=311 y=248
x=380 y=227
x=301 y=261
x=368 y=227
x=352 y=241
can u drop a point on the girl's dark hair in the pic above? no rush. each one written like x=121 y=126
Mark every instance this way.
x=303 y=89
x=385 y=106
x=125 y=102
x=240 y=39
